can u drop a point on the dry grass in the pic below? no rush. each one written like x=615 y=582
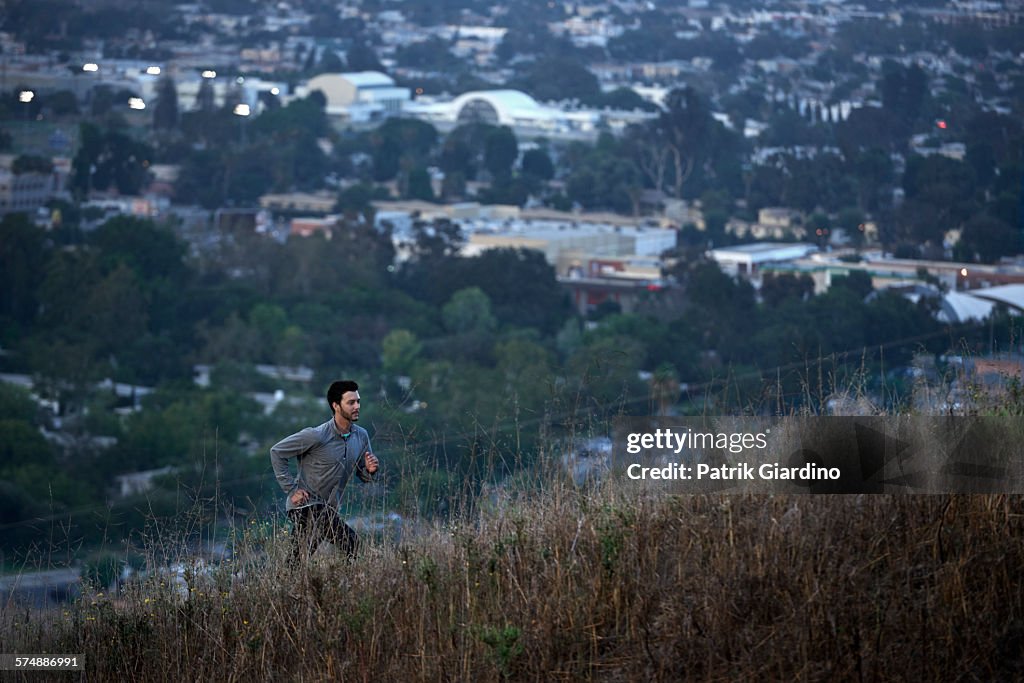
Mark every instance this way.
x=598 y=584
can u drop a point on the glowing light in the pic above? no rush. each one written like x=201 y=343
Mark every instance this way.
x=275 y=91
x=239 y=80
x=209 y=73
x=941 y=123
x=153 y=71
x=136 y=103
x=241 y=109
x=26 y=96
x=963 y=272
x=91 y=66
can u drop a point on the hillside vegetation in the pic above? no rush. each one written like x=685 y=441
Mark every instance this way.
x=599 y=584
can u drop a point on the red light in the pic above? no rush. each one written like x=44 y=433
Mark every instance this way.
x=941 y=124
x=653 y=288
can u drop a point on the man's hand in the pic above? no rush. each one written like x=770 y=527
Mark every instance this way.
x=299 y=497
x=371 y=462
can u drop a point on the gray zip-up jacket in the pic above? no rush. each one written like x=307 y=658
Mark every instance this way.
x=326 y=460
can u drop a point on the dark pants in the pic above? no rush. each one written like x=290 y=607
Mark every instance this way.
x=315 y=524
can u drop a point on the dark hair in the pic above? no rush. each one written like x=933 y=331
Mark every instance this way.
x=337 y=390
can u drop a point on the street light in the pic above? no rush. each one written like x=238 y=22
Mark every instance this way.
x=209 y=73
x=91 y=67
x=26 y=97
x=242 y=111
x=153 y=71
x=136 y=103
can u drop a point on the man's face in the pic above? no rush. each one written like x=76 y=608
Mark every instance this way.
x=348 y=407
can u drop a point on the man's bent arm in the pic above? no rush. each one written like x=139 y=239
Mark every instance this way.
x=361 y=471
x=290 y=447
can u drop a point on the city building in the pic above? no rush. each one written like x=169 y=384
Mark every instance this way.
x=28 y=191
x=358 y=97
x=523 y=114
x=748 y=260
x=302 y=202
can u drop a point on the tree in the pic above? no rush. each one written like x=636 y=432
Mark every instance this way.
x=463 y=149
x=873 y=170
x=361 y=57
x=1000 y=133
x=330 y=63
x=432 y=54
x=644 y=43
x=856 y=281
x=777 y=288
x=891 y=317
x=520 y=284
x=153 y=252
x=107 y=158
x=939 y=197
x=205 y=101
x=769 y=46
x=650 y=153
x=115 y=310
x=399 y=144
x=22 y=255
x=664 y=343
x=905 y=93
x=178 y=429
x=387 y=156
x=233 y=341
x=399 y=351
x=604 y=177
x=868 y=128
x=606 y=374
x=986 y=238
x=309 y=64
x=500 y=152
x=268 y=321
x=725 y=308
x=625 y=98
x=165 y=111
x=62 y=103
x=419 y=186
x=537 y=164
x=355 y=200
x=436 y=241
x=453 y=187
x=664 y=388
x=201 y=179
x=684 y=126
x=532 y=39
x=469 y=311
x=558 y=78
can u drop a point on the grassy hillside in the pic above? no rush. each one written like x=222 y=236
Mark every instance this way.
x=592 y=585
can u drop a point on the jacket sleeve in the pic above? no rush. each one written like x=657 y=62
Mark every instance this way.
x=361 y=463
x=290 y=447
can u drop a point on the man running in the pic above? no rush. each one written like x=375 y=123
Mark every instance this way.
x=327 y=456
